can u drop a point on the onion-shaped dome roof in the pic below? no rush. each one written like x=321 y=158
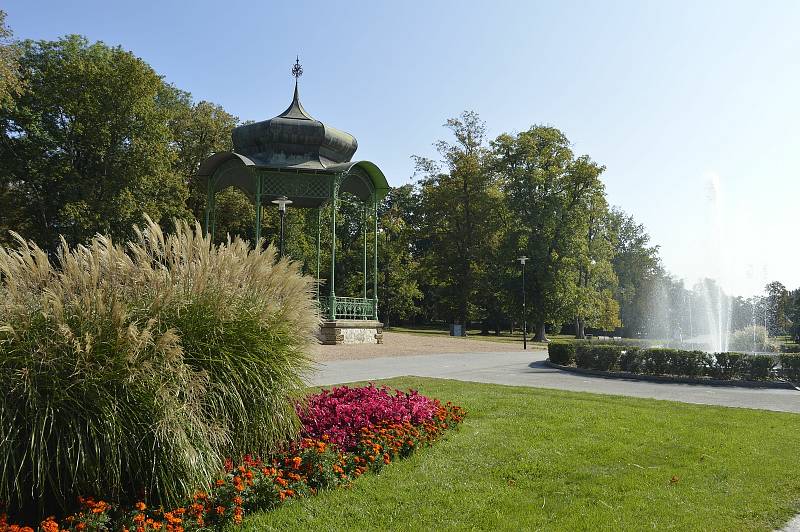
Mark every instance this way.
x=294 y=139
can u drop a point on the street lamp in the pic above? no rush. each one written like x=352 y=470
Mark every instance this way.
x=282 y=202
x=522 y=260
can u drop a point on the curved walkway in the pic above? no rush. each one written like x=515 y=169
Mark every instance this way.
x=527 y=368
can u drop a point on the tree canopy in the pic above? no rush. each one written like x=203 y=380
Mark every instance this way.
x=87 y=145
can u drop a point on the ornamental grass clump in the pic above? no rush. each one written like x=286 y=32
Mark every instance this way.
x=131 y=371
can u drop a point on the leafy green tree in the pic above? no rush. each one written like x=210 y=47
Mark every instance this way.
x=398 y=287
x=594 y=299
x=200 y=130
x=777 y=308
x=10 y=88
x=10 y=80
x=500 y=276
x=86 y=147
x=458 y=203
x=638 y=270
x=548 y=193
x=794 y=313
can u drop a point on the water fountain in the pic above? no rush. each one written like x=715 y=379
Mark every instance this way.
x=700 y=318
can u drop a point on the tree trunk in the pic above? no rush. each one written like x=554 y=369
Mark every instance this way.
x=580 y=328
x=541 y=334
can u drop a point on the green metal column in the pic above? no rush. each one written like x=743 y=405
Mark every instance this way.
x=334 y=201
x=364 y=222
x=209 y=196
x=375 y=262
x=213 y=216
x=319 y=224
x=258 y=212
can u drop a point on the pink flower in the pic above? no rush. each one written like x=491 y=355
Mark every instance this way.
x=341 y=412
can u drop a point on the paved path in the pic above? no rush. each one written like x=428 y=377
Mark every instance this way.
x=527 y=369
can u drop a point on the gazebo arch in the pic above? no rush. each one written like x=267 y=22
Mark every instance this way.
x=296 y=156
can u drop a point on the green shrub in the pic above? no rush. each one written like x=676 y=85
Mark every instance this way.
x=561 y=353
x=790 y=367
x=137 y=369
x=598 y=357
x=583 y=355
x=790 y=348
x=667 y=361
x=629 y=360
x=655 y=360
x=689 y=363
x=759 y=367
x=728 y=366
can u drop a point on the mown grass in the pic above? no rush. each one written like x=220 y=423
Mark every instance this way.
x=475 y=334
x=528 y=459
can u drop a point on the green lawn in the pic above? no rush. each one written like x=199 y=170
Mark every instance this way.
x=529 y=459
x=475 y=334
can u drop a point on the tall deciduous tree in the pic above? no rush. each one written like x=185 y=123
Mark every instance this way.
x=457 y=207
x=87 y=146
x=398 y=285
x=548 y=193
x=637 y=267
x=595 y=305
x=794 y=313
x=777 y=308
x=10 y=80
x=200 y=130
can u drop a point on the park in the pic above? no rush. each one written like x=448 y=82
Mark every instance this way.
x=224 y=316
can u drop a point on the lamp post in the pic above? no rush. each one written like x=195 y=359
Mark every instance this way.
x=282 y=202
x=522 y=260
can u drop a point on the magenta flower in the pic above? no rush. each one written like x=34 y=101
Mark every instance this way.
x=341 y=412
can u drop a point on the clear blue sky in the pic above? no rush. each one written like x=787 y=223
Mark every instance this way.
x=671 y=96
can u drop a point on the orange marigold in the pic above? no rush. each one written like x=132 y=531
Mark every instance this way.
x=48 y=525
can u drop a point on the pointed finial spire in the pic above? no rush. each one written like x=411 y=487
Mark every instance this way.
x=295 y=109
x=297 y=69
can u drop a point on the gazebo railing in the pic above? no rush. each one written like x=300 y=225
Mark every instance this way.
x=347 y=308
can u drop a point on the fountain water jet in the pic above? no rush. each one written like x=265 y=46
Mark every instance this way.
x=705 y=311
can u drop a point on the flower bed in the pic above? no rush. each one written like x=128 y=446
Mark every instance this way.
x=346 y=432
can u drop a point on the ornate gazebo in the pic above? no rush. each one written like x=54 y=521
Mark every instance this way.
x=310 y=163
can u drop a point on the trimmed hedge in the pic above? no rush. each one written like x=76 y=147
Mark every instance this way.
x=759 y=367
x=599 y=357
x=675 y=362
x=562 y=353
x=629 y=360
x=728 y=366
x=790 y=366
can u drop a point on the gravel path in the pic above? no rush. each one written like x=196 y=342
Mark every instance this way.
x=406 y=344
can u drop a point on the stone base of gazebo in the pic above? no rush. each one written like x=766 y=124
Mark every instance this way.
x=335 y=332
